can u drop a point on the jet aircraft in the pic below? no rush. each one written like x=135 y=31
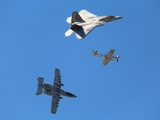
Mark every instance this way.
x=84 y=22
x=53 y=90
x=106 y=58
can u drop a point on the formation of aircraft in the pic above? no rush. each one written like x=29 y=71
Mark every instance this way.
x=84 y=22
x=106 y=57
x=53 y=90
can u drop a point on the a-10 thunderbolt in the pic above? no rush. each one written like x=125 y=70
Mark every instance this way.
x=53 y=90
x=84 y=22
x=106 y=57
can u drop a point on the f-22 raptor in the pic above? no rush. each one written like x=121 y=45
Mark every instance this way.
x=84 y=22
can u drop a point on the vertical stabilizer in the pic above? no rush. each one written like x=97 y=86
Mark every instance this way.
x=76 y=17
x=40 y=85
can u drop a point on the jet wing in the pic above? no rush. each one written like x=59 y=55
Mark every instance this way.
x=57 y=78
x=56 y=92
x=55 y=101
x=82 y=32
x=85 y=14
x=108 y=57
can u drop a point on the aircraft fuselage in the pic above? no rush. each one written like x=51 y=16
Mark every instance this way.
x=49 y=89
x=95 y=21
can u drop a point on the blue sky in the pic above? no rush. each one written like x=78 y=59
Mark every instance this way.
x=32 y=44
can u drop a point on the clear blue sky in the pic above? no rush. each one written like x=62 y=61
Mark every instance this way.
x=32 y=44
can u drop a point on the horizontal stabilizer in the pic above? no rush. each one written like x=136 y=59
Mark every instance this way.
x=68 y=32
x=40 y=85
x=118 y=57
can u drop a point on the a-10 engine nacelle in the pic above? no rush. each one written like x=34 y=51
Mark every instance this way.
x=47 y=92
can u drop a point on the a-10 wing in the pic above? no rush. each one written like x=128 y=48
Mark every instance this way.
x=55 y=102
x=108 y=57
x=56 y=91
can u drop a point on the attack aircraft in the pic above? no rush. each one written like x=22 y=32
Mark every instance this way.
x=84 y=22
x=106 y=57
x=53 y=90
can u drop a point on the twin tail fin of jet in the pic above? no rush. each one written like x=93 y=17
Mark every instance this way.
x=76 y=17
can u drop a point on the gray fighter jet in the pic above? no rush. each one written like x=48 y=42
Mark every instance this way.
x=53 y=90
x=84 y=22
x=106 y=58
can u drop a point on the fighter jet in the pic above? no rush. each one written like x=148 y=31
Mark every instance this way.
x=53 y=90
x=106 y=58
x=84 y=22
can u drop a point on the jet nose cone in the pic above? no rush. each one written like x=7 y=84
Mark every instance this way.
x=68 y=94
x=75 y=96
x=118 y=17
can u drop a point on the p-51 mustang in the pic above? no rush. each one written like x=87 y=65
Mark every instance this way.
x=84 y=22
x=53 y=90
x=106 y=57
